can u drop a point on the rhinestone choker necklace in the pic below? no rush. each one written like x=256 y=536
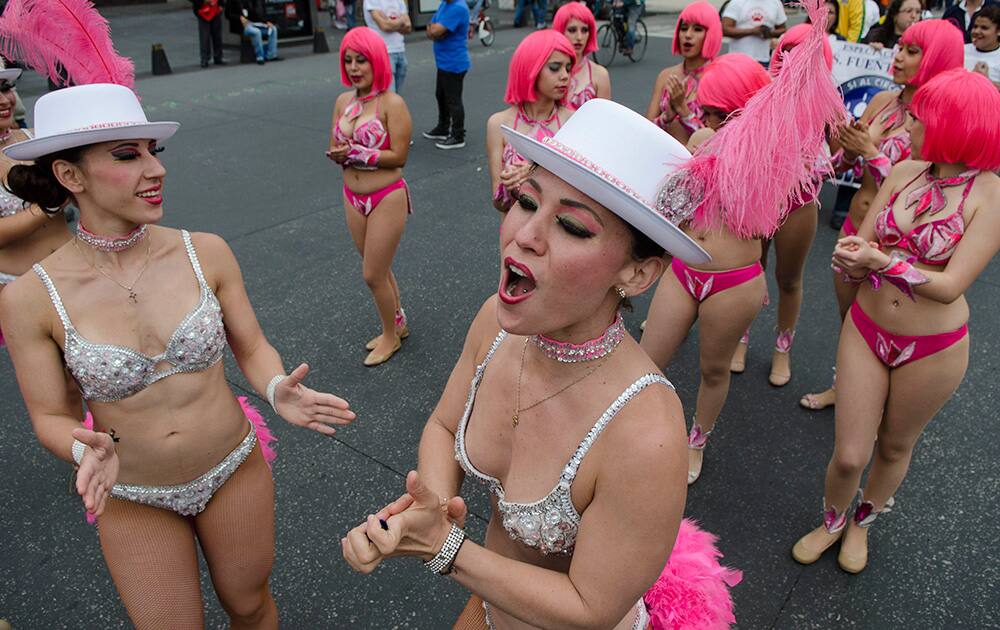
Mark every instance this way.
x=110 y=243
x=586 y=351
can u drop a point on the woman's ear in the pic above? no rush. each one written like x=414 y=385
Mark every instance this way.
x=69 y=175
x=638 y=275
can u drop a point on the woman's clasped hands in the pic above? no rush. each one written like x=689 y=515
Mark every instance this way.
x=857 y=257
x=415 y=524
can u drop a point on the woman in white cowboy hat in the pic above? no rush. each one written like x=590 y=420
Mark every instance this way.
x=27 y=233
x=577 y=434
x=140 y=315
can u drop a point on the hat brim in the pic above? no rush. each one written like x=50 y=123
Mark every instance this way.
x=10 y=74
x=37 y=147
x=612 y=196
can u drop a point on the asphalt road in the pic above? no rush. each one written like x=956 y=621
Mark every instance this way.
x=248 y=164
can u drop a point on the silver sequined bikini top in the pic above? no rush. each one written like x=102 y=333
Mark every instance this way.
x=109 y=372
x=11 y=204
x=549 y=524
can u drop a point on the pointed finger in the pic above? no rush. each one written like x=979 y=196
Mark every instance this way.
x=329 y=400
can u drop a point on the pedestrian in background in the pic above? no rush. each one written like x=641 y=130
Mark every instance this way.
x=538 y=9
x=751 y=24
x=256 y=27
x=209 y=14
x=449 y=30
x=391 y=20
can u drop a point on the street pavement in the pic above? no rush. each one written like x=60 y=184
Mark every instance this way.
x=248 y=164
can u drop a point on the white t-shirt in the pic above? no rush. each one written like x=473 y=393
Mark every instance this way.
x=393 y=40
x=991 y=59
x=751 y=13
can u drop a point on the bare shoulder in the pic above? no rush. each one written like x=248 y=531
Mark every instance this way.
x=878 y=101
x=393 y=101
x=24 y=302
x=503 y=117
x=985 y=192
x=599 y=71
x=699 y=138
x=908 y=169
x=214 y=254
x=650 y=427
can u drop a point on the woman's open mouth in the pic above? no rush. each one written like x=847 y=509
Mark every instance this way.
x=516 y=282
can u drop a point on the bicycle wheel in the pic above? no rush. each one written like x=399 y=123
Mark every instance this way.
x=639 y=49
x=486 y=34
x=607 y=45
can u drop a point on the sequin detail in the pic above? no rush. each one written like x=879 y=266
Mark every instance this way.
x=586 y=351
x=110 y=372
x=189 y=499
x=679 y=197
x=641 y=621
x=111 y=243
x=549 y=524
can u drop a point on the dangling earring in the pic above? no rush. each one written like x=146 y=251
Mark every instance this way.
x=621 y=292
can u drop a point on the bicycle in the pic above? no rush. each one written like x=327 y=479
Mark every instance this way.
x=611 y=37
x=483 y=26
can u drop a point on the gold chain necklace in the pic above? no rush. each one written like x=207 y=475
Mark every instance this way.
x=517 y=392
x=131 y=294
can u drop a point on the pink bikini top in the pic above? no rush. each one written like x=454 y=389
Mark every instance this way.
x=896 y=147
x=370 y=134
x=539 y=129
x=932 y=243
x=588 y=92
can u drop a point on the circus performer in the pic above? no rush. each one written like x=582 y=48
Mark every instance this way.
x=698 y=40
x=537 y=85
x=564 y=405
x=904 y=348
x=879 y=139
x=370 y=139
x=589 y=79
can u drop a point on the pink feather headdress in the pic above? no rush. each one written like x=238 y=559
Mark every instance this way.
x=66 y=40
x=765 y=160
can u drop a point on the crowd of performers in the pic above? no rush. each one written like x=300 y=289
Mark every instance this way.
x=599 y=204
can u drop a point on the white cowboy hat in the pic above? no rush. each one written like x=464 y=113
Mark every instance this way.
x=87 y=114
x=620 y=160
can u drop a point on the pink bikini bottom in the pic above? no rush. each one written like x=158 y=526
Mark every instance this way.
x=897 y=350
x=366 y=202
x=849 y=229
x=703 y=284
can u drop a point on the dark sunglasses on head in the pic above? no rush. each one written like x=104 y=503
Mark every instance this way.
x=6 y=86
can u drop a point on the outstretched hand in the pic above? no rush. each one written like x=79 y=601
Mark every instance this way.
x=98 y=469
x=416 y=524
x=308 y=408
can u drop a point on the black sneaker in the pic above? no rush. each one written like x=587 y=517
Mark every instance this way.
x=437 y=133
x=204 y=64
x=451 y=143
x=220 y=62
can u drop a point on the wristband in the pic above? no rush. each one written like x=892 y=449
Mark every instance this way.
x=271 y=387
x=77 y=450
x=362 y=157
x=441 y=564
x=879 y=166
x=901 y=273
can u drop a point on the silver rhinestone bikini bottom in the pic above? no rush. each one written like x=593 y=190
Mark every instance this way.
x=641 y=616
x=189 y=499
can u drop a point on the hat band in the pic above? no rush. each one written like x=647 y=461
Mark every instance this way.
x=583 y=161
x=105 y=125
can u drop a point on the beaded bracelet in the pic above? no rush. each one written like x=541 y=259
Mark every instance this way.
x=271 y=387
x=441 y=564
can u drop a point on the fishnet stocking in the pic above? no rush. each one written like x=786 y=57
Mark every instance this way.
x=153 y=561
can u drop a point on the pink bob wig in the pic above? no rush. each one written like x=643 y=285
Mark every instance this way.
x=792 y=38
x=532 y=53
x=576 y=11
x=959 y=109
x=729 y=82
x=943 y=47
x=367 y=42
x=705 y=15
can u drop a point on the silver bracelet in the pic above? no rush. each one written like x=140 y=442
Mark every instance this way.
x=440 y=563
x=271 y=387
x=77 y=450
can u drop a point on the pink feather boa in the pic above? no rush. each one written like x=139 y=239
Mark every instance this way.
x=764 y=160
x=265 y=438
x=692 y=593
